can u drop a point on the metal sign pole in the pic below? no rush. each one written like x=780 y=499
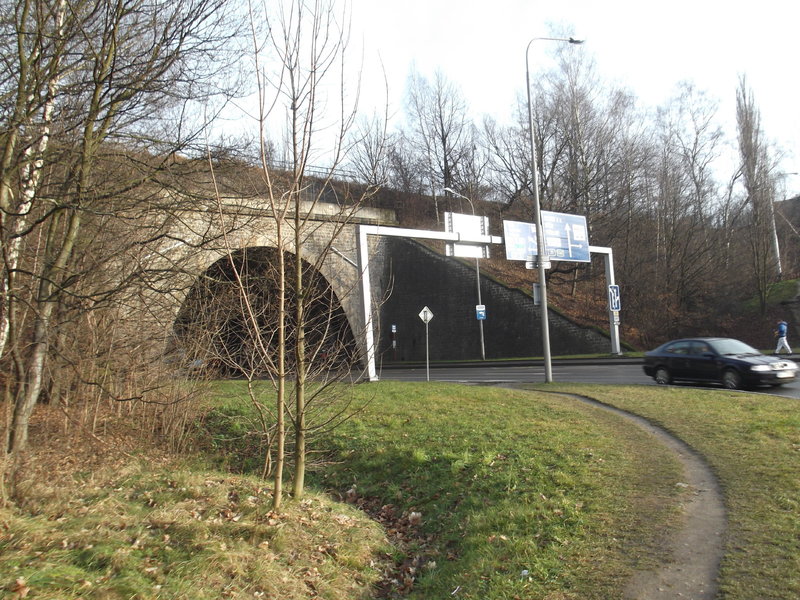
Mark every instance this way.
x=366 y=302
x=427 y=356
x=426 y=314
x=613 y=316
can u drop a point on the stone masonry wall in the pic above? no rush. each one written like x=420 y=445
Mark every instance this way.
x=421 y=277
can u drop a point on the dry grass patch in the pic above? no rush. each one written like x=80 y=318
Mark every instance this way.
x=122 y=522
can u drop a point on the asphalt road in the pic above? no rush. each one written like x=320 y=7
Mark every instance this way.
x=611 y=372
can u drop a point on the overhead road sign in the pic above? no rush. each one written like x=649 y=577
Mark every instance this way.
x=566 y=237
x=467 y=226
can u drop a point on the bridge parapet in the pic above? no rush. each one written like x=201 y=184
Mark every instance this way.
x=317 y=211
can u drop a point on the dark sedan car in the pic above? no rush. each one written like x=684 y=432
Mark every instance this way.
x=730 y=362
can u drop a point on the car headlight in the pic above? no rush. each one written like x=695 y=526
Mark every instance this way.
x=761 y=368
x=784 y=365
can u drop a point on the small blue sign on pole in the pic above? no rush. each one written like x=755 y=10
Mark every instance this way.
x=614 y=302
x=480 y=312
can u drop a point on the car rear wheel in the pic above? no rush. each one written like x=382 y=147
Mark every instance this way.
x=663 y=376
x=731 y=379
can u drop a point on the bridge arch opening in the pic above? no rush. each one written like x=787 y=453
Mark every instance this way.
x=228 y=323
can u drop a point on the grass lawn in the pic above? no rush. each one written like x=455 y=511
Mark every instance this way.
x=752 y=442
x=474 y=492
x=496 y=493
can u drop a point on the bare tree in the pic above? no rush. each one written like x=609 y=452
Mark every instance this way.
x=440 y=130
x=686 y=251
x=299 y=342
x=509 y=163
x=369 y=155
x=111 y=79
x=34 y=69
x=407 y=172
x=759 y=185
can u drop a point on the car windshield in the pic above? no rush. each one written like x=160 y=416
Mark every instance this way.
x=729 y=346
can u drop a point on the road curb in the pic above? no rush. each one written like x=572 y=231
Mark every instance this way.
x=611 y=360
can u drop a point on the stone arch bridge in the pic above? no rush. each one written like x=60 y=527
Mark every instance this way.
x=405 y=275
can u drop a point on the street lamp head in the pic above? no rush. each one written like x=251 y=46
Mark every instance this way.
x=574 y=41
x=457 y=195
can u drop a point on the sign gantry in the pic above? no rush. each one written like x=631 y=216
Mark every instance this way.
x=566 y=238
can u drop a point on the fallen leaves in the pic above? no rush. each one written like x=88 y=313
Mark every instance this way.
x=405 y=533
x=20 y=589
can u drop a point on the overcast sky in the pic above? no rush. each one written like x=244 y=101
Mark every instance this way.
x=648 y=47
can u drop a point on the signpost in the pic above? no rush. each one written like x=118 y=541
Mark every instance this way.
x=426 y=314
x=614 y=301
x=564 y=237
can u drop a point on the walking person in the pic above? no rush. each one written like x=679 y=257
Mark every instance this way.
x=781 y=332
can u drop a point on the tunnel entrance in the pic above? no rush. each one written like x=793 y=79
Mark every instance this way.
x=228 y=324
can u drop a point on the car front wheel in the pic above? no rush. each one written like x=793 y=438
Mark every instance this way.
x=663 y=376
x=731 y=379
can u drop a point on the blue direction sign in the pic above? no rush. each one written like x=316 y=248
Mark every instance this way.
x=565 y=238
x=614 y=302
x=480 y=312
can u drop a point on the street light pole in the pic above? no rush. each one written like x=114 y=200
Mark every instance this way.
x=477 y=269
x=537 y=213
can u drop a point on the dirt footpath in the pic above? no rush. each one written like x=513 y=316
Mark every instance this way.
x=696 y=549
